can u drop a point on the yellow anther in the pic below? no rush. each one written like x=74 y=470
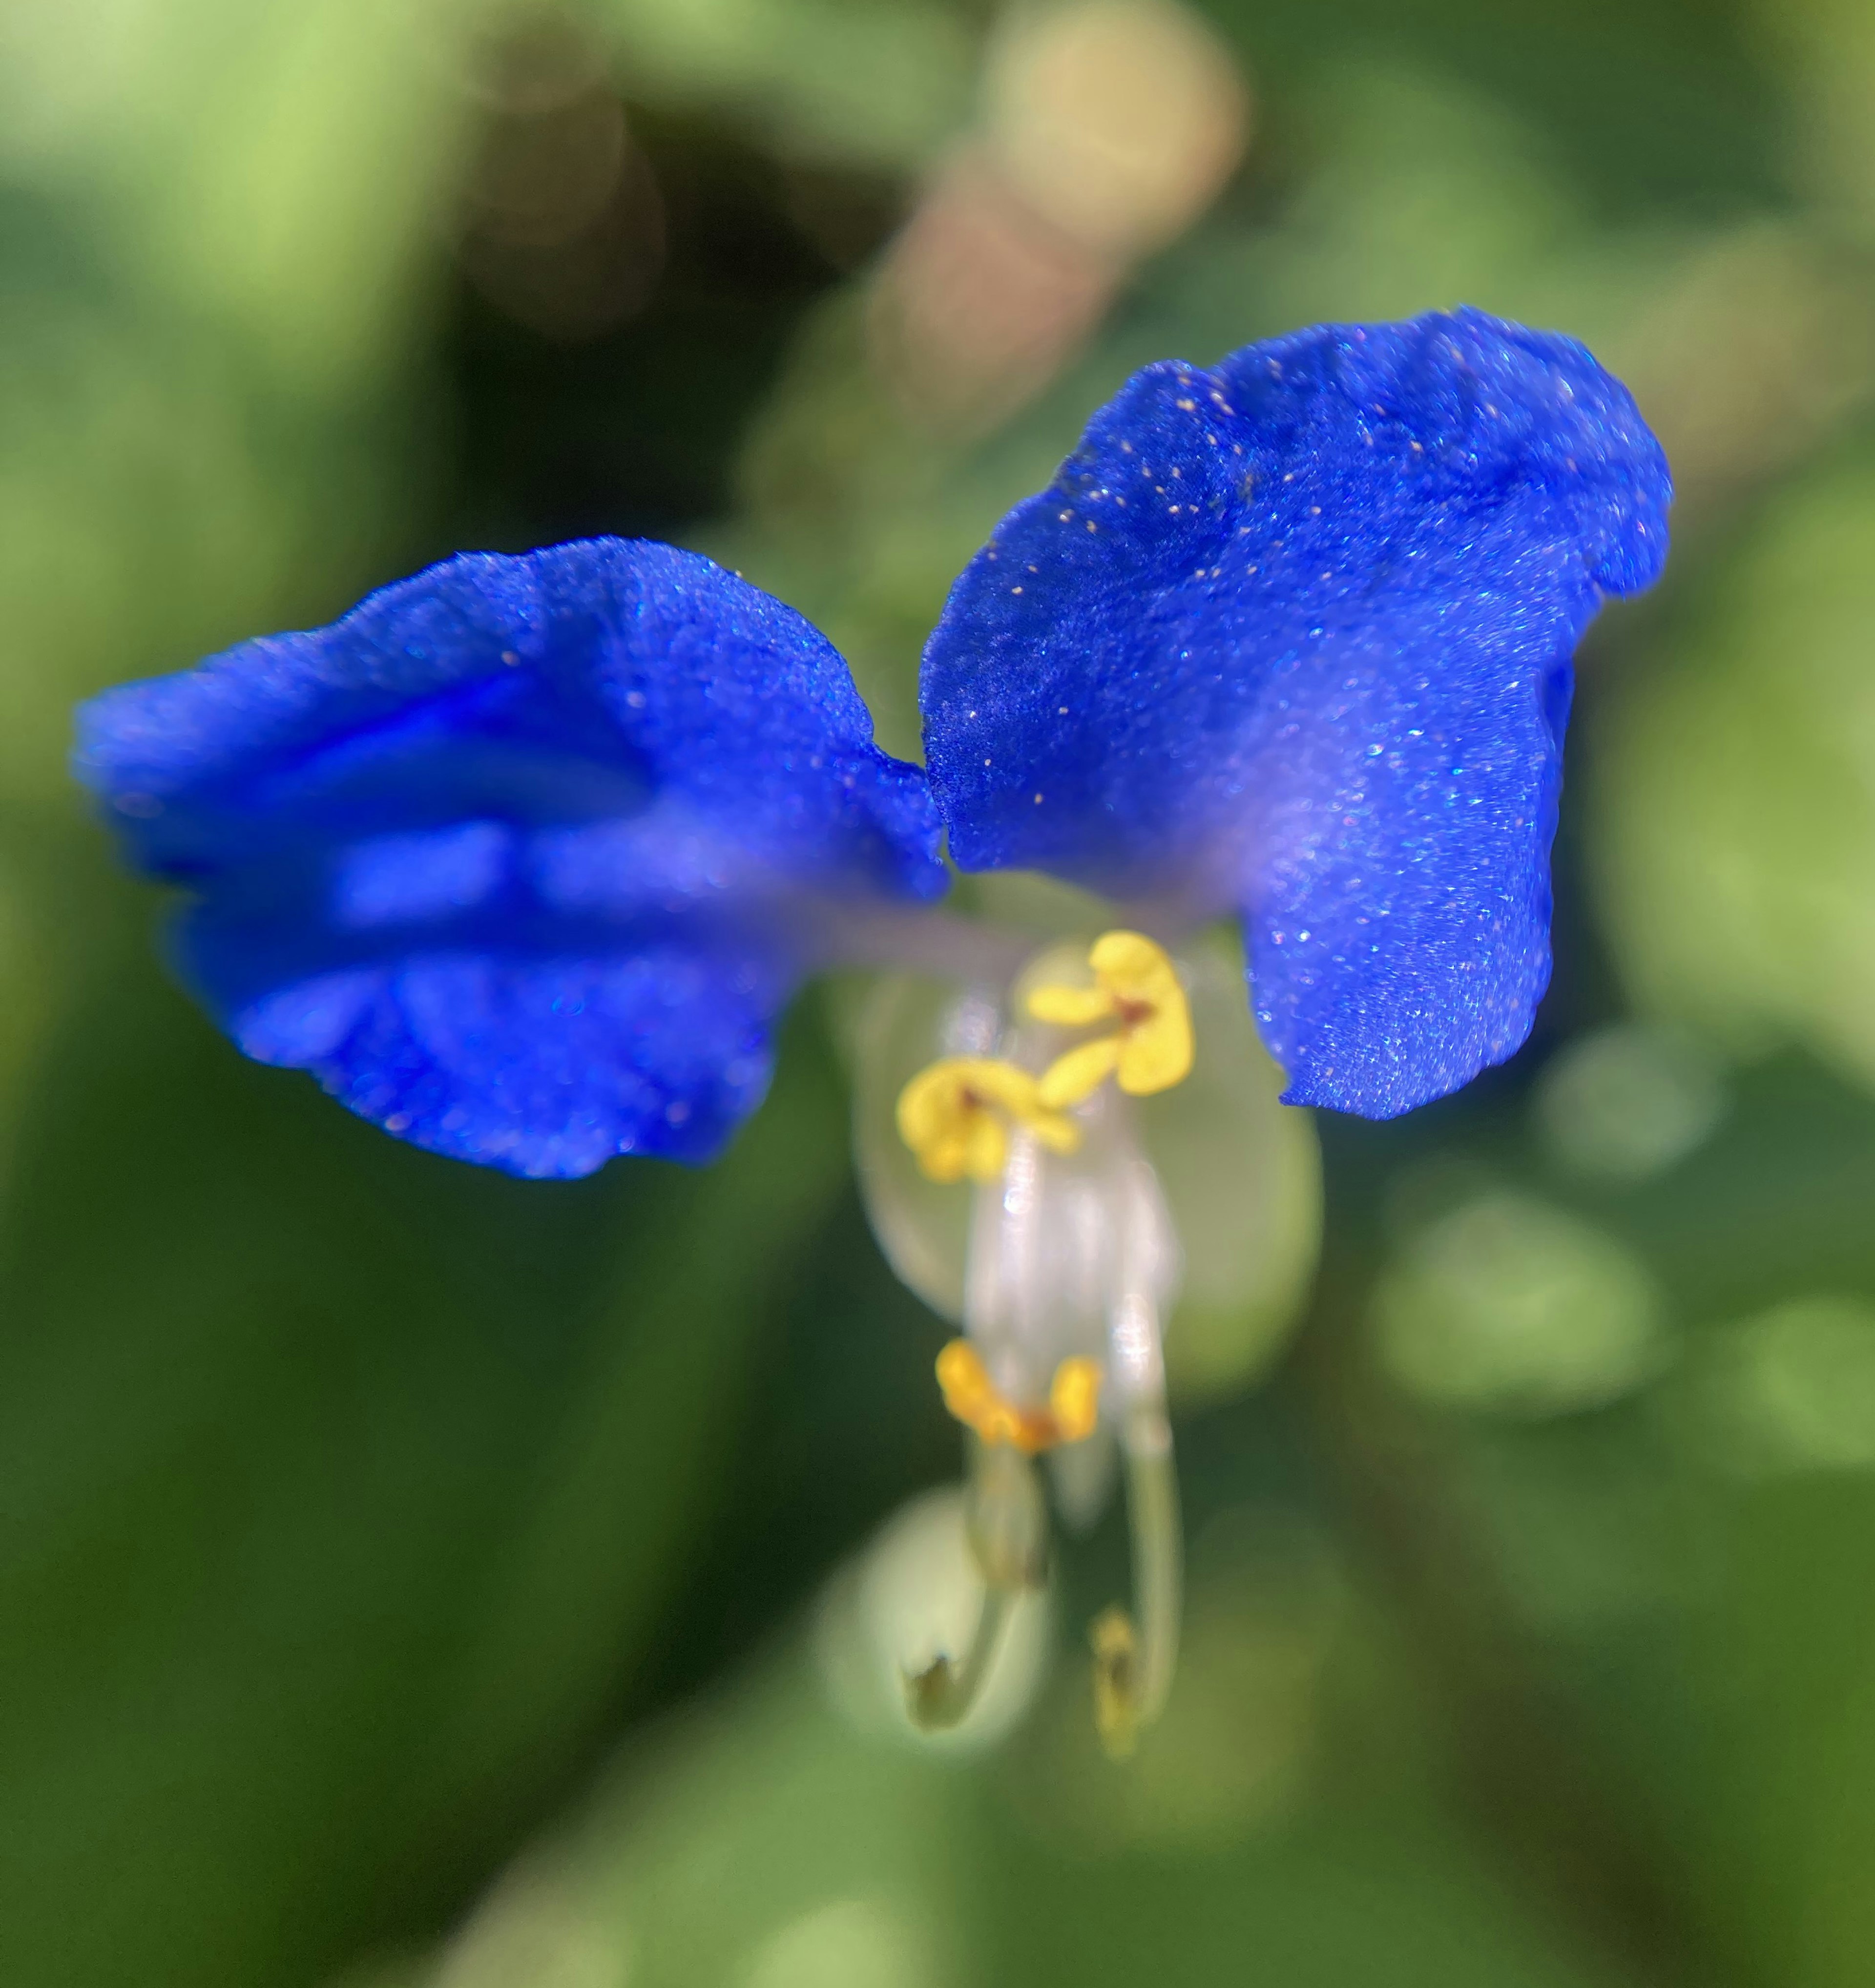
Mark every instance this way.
x=1074 y=1399
x=1071 y=1007
x=956 y=1115
x=974 y=1398
x=1116 y=1681
x=1080 y=1072
x=970 y=1395
x=1137 y=987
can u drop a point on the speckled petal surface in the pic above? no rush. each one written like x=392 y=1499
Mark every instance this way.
x=521 y=858
x=1293 y=635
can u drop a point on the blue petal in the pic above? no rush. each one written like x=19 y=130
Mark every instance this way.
x=523 y=856
x=1294 y=637
x=544 y=1068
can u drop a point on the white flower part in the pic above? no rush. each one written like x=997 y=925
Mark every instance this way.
x=1146 y=1257
x=1071 y=1255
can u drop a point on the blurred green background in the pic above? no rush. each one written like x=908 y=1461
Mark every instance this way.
x=411 y=1576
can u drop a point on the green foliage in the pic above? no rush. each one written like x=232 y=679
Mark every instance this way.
x=345 y=1487
x=1738 y=824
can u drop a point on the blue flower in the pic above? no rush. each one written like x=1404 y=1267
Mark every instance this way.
x=522 y=857
x=1292 y=637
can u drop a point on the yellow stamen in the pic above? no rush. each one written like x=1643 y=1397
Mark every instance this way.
x=955 y=1117
x=1135 y=1655
x=1081 y=1072
x=1072 y=1411
x=1071 y=1007
x=1137 y=987
x=1074 y=1399
x=1115 y=1650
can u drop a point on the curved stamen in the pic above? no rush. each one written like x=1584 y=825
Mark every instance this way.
x=1006 y=1523
x=942 y=1695
x=1149 y=1047
x=1135 y=1656
x=955 y=1115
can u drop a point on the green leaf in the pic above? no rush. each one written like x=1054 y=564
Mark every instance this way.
x=345 y=1485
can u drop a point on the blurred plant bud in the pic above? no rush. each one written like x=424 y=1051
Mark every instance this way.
x=1792 y=1389
x=1509 y=1306
x=562 y=223
x=847 y=1943
x=1116 y=120
x=1735 y=826
x=1754 y=348
x=1108 y=126
x=1626 y=1102
x=535 y=1929
x=980 y=302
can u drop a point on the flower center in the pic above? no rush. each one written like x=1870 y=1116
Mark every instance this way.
x=956 y=1113
x=1071 y=1250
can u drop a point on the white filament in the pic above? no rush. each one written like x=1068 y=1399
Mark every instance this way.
x=1074 y=1254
